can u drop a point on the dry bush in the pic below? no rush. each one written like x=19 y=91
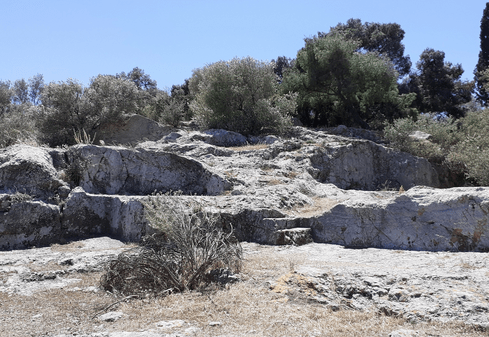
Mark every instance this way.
x=187 y=252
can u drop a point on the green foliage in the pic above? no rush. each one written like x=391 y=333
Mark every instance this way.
x=239 y=95
x=438 y=85
x=383 y=39
x=167 y=109
x=471 y=153
x=18 y=125
x=338 y=85
x=36 y=86
x=181 y=256
x=20 y=91
x=459 y=146
x=70 y=107
x=5 y=96
x=444 y=134
x=483 y=62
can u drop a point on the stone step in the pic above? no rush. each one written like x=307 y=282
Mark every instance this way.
x=292 y=236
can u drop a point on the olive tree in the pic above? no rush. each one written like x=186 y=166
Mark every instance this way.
x=70 y=108
x=240 y=95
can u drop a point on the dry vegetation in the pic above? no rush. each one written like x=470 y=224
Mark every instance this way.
x=319 y=206
x=249 y=147
x=247 y=308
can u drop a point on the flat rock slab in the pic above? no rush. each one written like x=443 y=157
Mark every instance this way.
x=415 y=285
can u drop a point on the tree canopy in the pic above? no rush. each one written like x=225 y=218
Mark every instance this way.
x=382 y=38
x=239 y=95
x=438 y=86
x=339 y=85
x=483 y=62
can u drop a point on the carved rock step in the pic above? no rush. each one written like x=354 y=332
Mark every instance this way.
x=292 y=236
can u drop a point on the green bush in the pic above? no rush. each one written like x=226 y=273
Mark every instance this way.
x=460 y=147
x=444 y=134
x=471 y=153
x=240 y=95
x=70 y=108
x=182 y=255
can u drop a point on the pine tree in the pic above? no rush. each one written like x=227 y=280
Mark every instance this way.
x=483 y=64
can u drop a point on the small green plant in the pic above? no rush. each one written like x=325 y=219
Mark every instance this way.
x=73 y=174
x=184 y=253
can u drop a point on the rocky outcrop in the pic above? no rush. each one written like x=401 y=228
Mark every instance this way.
x=364 y=165
x=420 y=219
x=125 y=171
x=132 y=130
x=337 y=190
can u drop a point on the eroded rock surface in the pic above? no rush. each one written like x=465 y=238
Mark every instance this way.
x=340 y=190
x=417 y=286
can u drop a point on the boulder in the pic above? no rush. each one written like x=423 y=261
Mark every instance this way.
x=364 y=165
x=86 y=214
x=30 y=170
x=420 y=136
x=133 y=130
x=225 y=138
x=25 y=223
x=422 y=218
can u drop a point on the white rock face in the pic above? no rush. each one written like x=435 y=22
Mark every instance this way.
x=30 y=170
x=420 y=219
x=332 y=187
x=364 y=165
x=116 y=170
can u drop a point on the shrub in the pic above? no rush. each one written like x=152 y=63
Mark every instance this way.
x=181 y=256
x=460 y=147
x=471 y=153
x=444 y=134
x=240 y=95
x=18 y=125
x=70 y=107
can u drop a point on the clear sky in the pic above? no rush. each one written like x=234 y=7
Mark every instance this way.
x=64 y=39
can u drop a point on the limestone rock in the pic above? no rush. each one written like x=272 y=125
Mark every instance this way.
x=26 y=223
x=29 y=170
x=420 y=136
x=117 y=170
x=420 y=219
x=225 y=138
x=365 y=165
x=111 y=316
x=133 y=130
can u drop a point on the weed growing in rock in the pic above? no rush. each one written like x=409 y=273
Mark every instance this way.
x=189 y=250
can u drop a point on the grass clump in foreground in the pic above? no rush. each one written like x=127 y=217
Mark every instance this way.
x=188 y=251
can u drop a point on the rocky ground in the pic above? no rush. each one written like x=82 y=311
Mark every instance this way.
x=340 y=193
x=310 y=290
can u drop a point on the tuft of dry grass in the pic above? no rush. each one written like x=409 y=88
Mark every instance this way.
x=249 y=147
x=319 y=206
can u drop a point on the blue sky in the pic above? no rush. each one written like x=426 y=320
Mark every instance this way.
x=64 y=39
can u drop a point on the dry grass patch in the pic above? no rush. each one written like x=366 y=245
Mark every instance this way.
x=249 y=147
x=319 y=206
x=247 y=308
